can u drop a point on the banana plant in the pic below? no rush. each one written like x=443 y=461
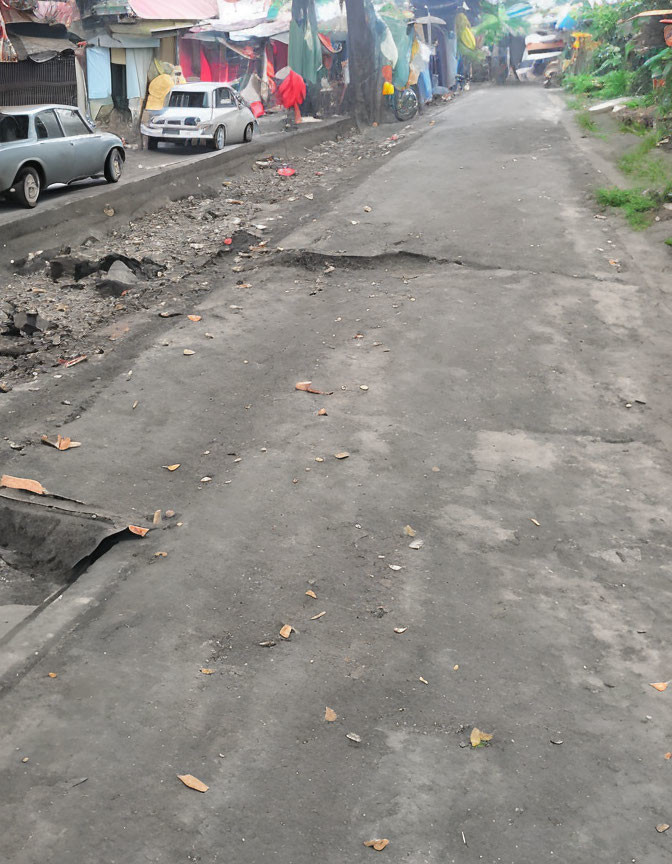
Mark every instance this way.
x=495 y=23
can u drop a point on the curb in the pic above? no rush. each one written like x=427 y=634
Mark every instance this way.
x=71 y=222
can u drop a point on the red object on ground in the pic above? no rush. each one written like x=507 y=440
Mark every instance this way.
x=286 y=172
x=257 y=108
x=228 y=241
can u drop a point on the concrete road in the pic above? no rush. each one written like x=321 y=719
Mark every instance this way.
x=516 y=418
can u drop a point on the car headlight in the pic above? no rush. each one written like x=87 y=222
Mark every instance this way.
x=158 y=122
x=192 y=121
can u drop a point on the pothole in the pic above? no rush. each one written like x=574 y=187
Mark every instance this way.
x=44 y=548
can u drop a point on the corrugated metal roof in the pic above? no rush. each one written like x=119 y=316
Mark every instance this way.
x=174 y=10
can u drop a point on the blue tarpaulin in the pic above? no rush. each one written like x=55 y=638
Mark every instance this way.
x=98 y=73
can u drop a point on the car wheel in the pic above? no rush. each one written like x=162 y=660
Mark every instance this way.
x=249 y=132
x=152 y=143
x=26 y=188
x=114 y=166
x=219 y=139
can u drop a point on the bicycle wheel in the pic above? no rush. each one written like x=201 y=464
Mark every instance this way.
x=405 y=104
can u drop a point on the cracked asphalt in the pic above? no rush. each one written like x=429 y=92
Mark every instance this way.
x=498 y=359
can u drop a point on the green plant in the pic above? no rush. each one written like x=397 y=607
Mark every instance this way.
x=581 y=84
x=637 y=206
x=495 y=23
x=668 y=242
x=615 y=83
x=586 y=122
x=646 y=166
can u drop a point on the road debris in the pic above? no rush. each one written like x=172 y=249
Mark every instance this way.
x=306 y=387
x=409 y=532
x=378 y=845
x=416 y=544
x=269 y=643
x=423 y=680
x=660 y=685
x=352 y=736
x=194 y=317
x=188 y=352
x=286 y=631
x=312 y=594
x=22 y=483
x=343 y=455
x=662 y=828
x=319 y=615
x=478 y=738
x=394 y=566
x=60 y=443
x=400 y=629
x=208 y=671
x=534 y=522
x=330 y=715
x=172 y=467
x=193 y=782
x=138 y=530
x=322 y=412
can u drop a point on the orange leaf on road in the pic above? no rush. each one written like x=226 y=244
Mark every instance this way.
x=194 y=317
x=660 y=685
x=330 y=715
x=305 y=386
x=23 y=483
x=286 y=631
x=136 y=529
x=311 y=594
x=193 y=782
x=378 y=845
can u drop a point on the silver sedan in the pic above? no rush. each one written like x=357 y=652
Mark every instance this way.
x=46 y=144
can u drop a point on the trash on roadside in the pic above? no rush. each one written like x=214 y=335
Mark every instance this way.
x=286 y=631
x=416 y=544
x=306 y=388
x=660 y=685
x=394 y=566
x=193 y=782
x=400 y=629
x=330 y=715
x=662 y=828
x=188 y=352
x=172 y=467
x=423 y=680
x=378 y=845
x=353 y=736
x=207 y=671
x=60 y=443
x=66 y=364
x=343 y=455
x=410 y=532
x=322 y=412
x=319 y=615
x=312 y=594
x=479 y=738
x=136 y=529
x=194 y=317
x=269 y=643
x=286 y=171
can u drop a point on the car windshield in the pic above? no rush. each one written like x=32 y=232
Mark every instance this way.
x=188 y=99
x=13 y=127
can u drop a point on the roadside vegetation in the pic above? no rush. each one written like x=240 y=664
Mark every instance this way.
x=613 y=57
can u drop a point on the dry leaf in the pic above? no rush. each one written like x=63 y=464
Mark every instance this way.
x=319 y=615
x=60 y=443
x=662 y=828
x=330 y=715
x=416 y=544
x=423 y=680
x=172 y=467
x=408 y=531
x=322 y=412
x=342 y=455
x=394 y=566
x=477 y=737
x=378 y=845
x=193 y=782
x=400 y=629
x=305 y=386
x=194 y=317
x=286 y=631
x=53 y=674
x=668 y=755
x=208 y=671
x=27 y=485
x=534 y=521
x=188 y=352
x=660 y=685
x=66 y=364
x=311 y=594
x=135 y=529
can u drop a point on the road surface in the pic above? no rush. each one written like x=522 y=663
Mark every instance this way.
x=501 y=388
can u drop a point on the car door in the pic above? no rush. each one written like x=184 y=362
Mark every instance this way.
x=226 y=115
x=85 y=145
x=52 y=148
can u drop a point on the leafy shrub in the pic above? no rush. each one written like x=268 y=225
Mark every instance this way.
x=616 y=83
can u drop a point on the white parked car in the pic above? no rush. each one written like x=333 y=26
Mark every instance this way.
x=209 y=112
